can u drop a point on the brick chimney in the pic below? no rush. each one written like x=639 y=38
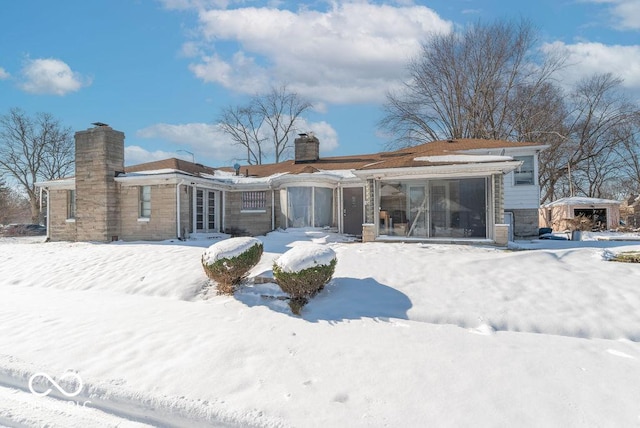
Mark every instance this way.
x=307 y=148
x=99 y=156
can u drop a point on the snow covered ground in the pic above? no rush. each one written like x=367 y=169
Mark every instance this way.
x=404 y=335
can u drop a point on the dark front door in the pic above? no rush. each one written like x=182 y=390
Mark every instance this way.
x=352 y=209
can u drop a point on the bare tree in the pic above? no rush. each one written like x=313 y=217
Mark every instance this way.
x=32 y=149
x=264 y=127
x=470 y=85
x=597 y=135
x=629 y=153
x=14 y=207
x=243 y=125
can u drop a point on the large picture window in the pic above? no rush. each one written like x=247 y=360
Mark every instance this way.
x=434 y=208
x=145 y=202
x=309 y=207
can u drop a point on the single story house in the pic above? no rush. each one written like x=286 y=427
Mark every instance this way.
x=561 y=215
x=443 y=190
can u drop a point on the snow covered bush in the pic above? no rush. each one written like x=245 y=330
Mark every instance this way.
x=303 y=271
x=227 y=262
x=627 y=257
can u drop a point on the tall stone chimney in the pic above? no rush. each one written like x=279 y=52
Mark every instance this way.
x=99 y=155
x=307 y=148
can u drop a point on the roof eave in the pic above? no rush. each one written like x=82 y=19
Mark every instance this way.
x=169 y=178
x=507 y=150
x=65 y=183
x=452 y=170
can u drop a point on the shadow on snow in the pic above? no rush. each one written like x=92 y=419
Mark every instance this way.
x=341 y=299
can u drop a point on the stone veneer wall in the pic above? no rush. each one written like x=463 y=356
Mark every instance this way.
x=498 y=198
x=99 y=156
x=525 y=223
x=162 y=222
x=306 y=148
x=59 y=228
x=252 y=223
x=369 y=205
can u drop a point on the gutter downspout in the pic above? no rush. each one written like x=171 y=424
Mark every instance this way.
x=340 y=206
x=178 y=209
x=273 y=209
x=42 y=189
x=221 y=215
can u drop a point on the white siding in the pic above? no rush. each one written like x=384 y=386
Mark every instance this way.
x=522 y=196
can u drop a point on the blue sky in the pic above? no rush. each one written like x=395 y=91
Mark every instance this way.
x=162 y=70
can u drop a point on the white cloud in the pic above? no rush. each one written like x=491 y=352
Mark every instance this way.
x=584 y=59
x=134 y=155
x=51 y=76
x=3 y=74
x=352 y=52
x=326 y=134
x=210 y=145
x=240 y=74
x=204 y=140
x=626 y=13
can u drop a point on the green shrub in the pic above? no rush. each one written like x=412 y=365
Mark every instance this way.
x=303 y=284
x=228 y=272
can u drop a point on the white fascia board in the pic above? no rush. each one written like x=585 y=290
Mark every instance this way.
x=315 y=179
x=64 y=183
x=247 y=187
x=442 y=171
x=352 y=182
x=169 y=178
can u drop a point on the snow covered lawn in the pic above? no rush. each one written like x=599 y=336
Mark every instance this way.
x=405 y=335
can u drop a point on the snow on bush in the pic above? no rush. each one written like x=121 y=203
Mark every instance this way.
x=227 y=262
x=303 y=271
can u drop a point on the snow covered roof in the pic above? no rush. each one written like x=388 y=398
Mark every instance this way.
x=60 y=183
x=581 y=200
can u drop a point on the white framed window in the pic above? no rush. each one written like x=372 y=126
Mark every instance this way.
x=525 y=175
x=144 y=198
x=254 y=201
x=71 y=204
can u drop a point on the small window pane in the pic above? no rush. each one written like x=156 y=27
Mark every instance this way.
x=71 y=204
x=145 y=201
